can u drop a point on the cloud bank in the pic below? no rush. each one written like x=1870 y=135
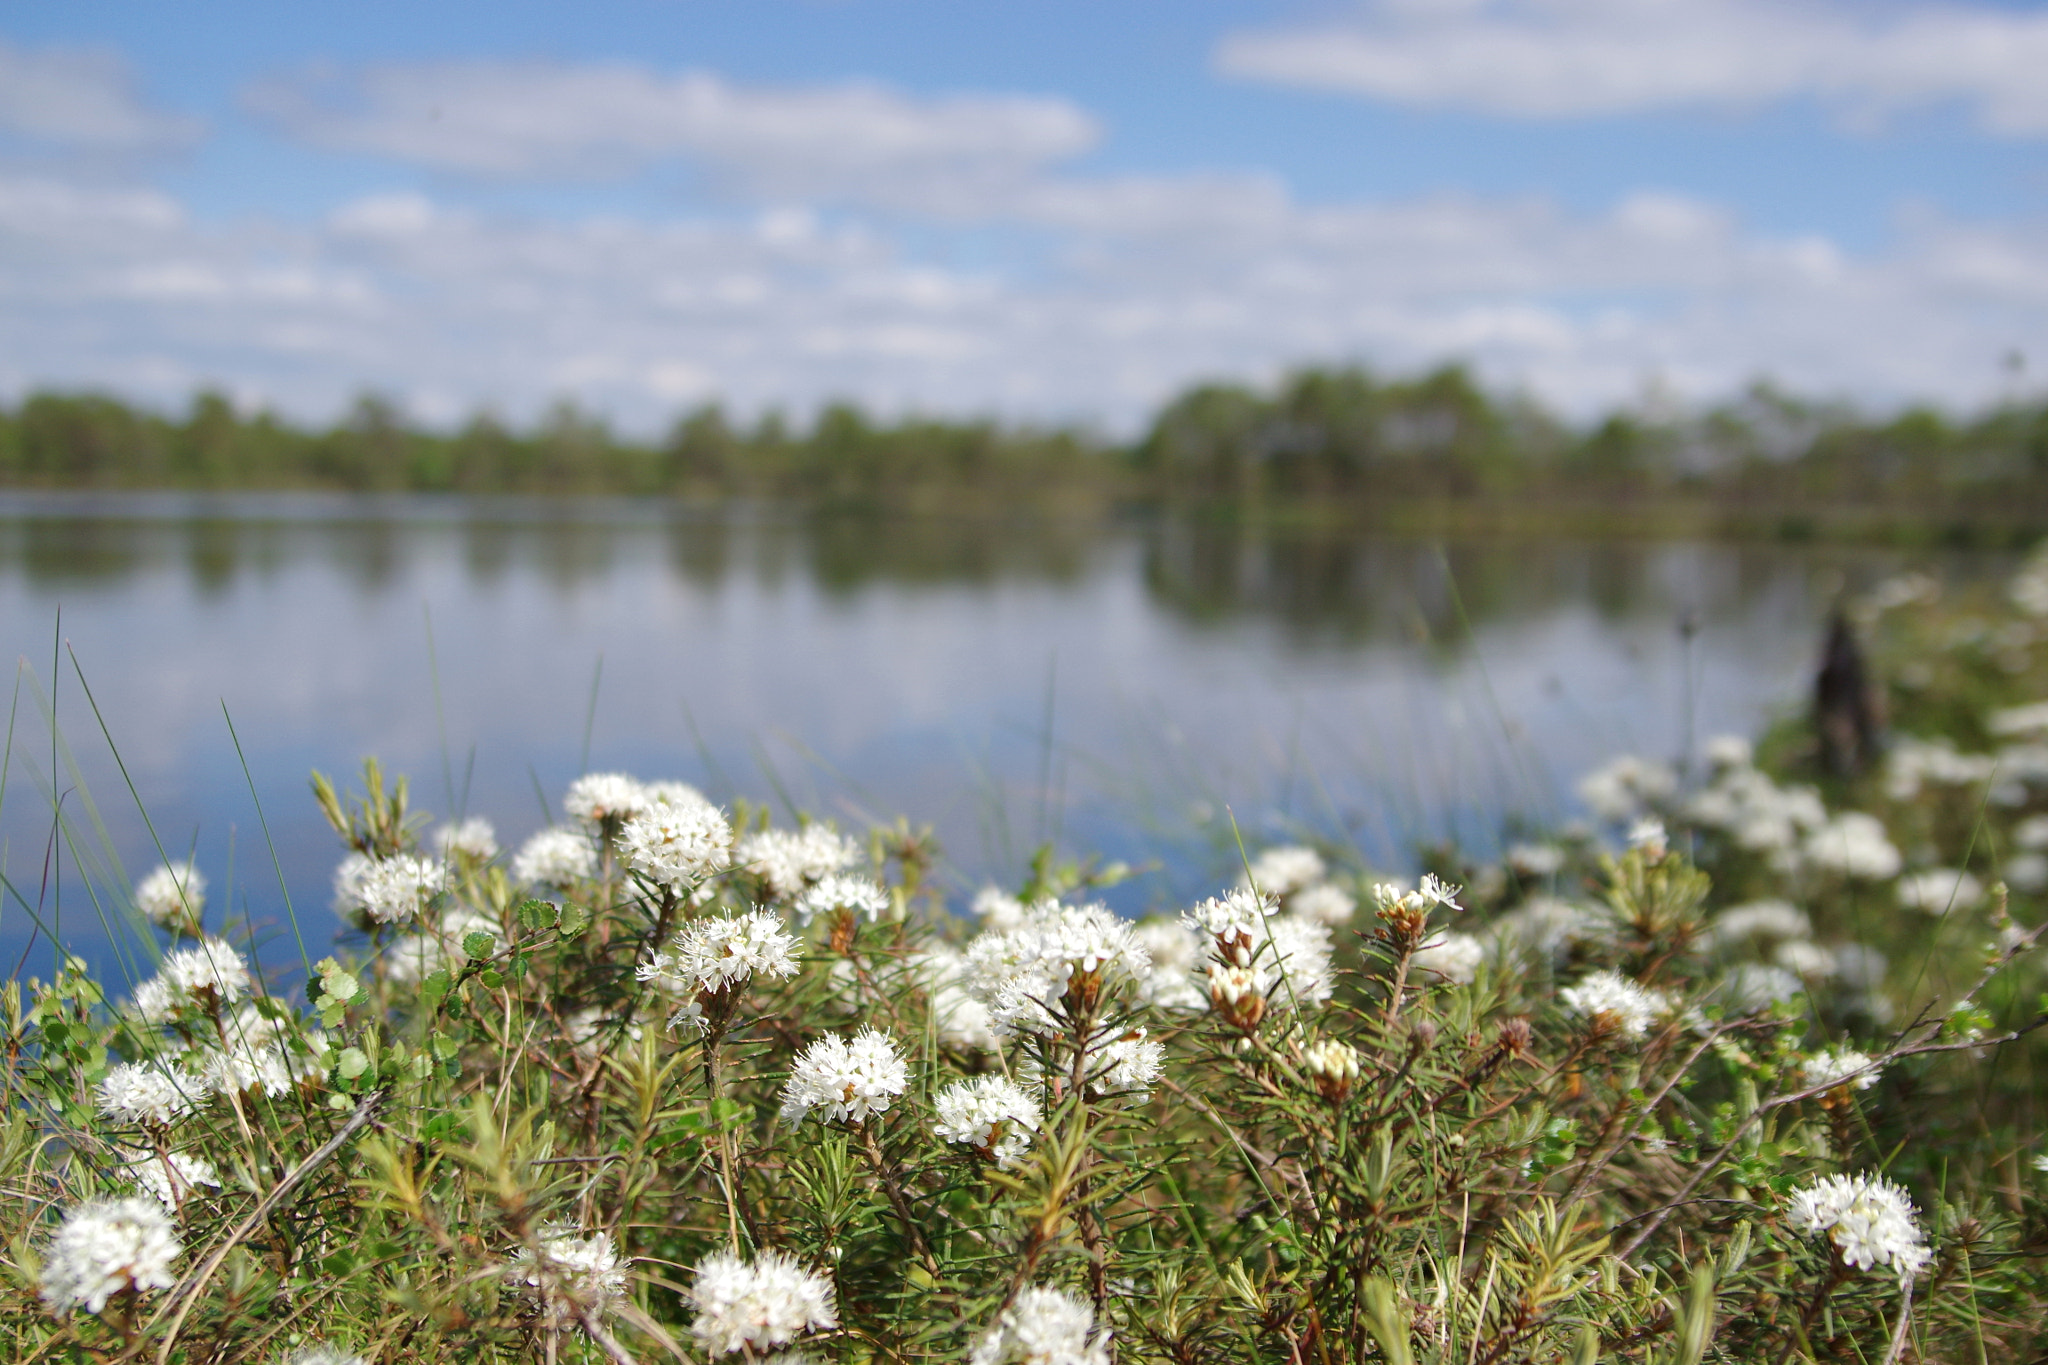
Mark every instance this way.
x=1580 y=58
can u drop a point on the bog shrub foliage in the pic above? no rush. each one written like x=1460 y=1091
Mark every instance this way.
x=1748 y=1070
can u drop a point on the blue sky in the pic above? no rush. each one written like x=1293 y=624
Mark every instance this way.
x=1052 y=211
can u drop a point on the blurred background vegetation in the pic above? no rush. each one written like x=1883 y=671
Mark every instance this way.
x=1430 y=453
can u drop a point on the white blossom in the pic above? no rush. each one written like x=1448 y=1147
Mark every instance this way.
x=260 y=1053
x=997 y=909
x=561 y=855
x=210 y=974
x=768 y=1303
x=1084 y=952
x=1840 y=1066
x=170 y=1180
x=1870 y=1221
x=1176 y=953
x=962 y=1019
x=1854 y=844
x=721 y=953
x=1430 y=894
x=597 y=797
x=1805 y=959
x=787 y=861
x=1454 y=957
x=1129 y=1064
x=1325 y=903
x=1535 y=860
x=673 y=794
x=1938 y=890
x=323 y=1353
x=1610 y=996
x=1728 y=751
x=1755 y=985
x=1766 y=919
x=105 y=1248
x=1285 y=870
x=388 y=890
x=1626 y=786
x=863 y=896
x=136 y=1094
x=846 y=1080
x=676 y=846
x=989 y=1113
x=471 y=838
x=1237 y=917
x=173 y=894
x=570 y=1266
x=1043 y=1327
x=1548 y=927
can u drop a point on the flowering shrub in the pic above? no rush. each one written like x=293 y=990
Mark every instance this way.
x=1746 y=1076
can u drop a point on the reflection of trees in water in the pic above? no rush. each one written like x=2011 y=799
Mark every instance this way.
x=847 y=553
x=1324 y=586
x=1338 y=587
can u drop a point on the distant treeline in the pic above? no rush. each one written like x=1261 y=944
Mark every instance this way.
x=1321 y=443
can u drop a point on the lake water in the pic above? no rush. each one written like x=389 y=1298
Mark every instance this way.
x=1123 y=690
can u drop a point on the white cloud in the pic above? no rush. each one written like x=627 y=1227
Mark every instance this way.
x=1147 y=286
x=83 y=100
x=543 y=120
x=1576 y=58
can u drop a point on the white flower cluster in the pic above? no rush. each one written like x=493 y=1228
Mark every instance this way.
x=1287 y=869
x=1546 y=927
x=472 y=838
x=174 y=894
x=715 y=954
x=1751 y=986
x=1841 y=1066
x=1870 y=1221
x=1613 y=998
x=1912 y=764
x=990 y=1114
x=997 y=909
x=1282 y=960
x=960 y=1016
x=1023 y=974
x=260 y=1053
x=1177 y=954
x=1122 y=1062
x=1854 y=844
x=1757 y=814
x=137 y=1094
x=595 y=798
x=170 y=1180
x=742 y=1307
x=845 y=1080
x=1627 y=787
x=209 y=974
x=1938 y=890
x=1533 y=862
x=106 y=1248
x=559 y=856
x=836 y=892
x=323 y=1353
x=570 y=1266
x=1454 y=957
x=1767 y=920
x=787 y=861
x=675 y=845
x=1043 y=1327
x=387 y=890
x=1430 y=894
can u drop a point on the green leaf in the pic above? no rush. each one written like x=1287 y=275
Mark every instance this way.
x=435 y=988
x=537 y=914
x=491 y=977
x=353 y=1063
x=479 y=944
x=574 y=919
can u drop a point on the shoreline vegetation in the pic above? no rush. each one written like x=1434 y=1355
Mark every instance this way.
x=1747 y=1067
x=1434 y=454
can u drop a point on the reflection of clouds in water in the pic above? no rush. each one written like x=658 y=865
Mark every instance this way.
x=891 y=669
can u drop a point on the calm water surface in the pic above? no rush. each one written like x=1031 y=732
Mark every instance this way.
x=1121 y=690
